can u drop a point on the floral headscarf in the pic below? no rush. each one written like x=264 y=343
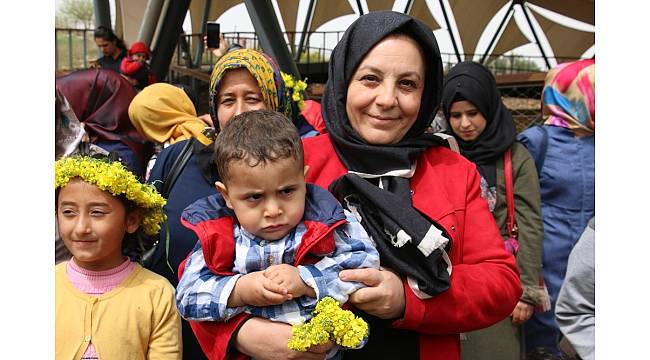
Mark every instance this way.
x=569 y=98
x=263 y=69
x=163 y=112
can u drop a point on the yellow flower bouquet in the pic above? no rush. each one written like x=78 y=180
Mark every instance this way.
x=330 y=322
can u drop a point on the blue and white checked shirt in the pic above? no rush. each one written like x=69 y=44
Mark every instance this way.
x=203 y=296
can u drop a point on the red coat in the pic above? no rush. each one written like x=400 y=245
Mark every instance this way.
x=485 y=283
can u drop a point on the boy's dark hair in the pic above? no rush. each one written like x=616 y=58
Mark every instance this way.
x=256 y=136
x=107 y=34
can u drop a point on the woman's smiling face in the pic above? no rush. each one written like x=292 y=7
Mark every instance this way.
x=384 y=94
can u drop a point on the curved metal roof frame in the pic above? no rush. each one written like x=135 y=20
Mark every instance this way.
x=470 y=19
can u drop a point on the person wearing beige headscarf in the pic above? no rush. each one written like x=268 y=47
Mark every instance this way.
x=164 y=113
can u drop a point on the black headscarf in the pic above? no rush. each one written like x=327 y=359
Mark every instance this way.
x=473 y=82
x=358 y=40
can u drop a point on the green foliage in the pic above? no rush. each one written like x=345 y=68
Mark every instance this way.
x=74 y=40
x=315 y=56
x=512 y=63
x=74 y=13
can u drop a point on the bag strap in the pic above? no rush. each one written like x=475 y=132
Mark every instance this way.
x=177 y=167
x=510 y=197
x=148 y=260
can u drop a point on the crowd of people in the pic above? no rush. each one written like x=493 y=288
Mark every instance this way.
x=183 y=235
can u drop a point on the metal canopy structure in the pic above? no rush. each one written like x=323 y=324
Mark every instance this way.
x=466 y=22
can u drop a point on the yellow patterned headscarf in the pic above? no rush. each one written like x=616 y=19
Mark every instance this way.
x=264 y=71
x=162 y=112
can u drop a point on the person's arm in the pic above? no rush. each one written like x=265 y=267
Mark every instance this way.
x=484 y=286
x=267 y=340
x=528 y=214
x=575 y=310
x=130 y=67
x=165 y=341
x=354 y=250
x=202 y=295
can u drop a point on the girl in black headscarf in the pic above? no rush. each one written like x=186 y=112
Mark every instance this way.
x=419 y=200
x=486 y=132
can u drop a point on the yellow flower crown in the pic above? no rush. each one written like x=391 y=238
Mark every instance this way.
x=117 y=180
x=330 y=322
x=297 y=89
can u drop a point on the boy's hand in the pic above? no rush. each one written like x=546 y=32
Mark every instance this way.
x=288 y=277
x=256 y=290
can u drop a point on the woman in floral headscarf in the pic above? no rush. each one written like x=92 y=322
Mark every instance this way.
x=242 y=80
x=563 y=149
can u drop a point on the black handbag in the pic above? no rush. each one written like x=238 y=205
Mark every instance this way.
x=148 y=259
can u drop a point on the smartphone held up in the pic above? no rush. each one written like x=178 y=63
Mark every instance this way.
x=212 y=34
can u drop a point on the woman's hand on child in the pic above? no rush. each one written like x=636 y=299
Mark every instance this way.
x=384 y=295
x=289 y=278
x=522 y=312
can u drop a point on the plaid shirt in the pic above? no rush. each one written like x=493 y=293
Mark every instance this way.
x=203 y=296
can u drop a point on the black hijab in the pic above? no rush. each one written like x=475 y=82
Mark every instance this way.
x=358 y=40
x=473 y=82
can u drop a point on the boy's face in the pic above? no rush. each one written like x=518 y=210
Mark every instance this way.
x=141 y=57
x=269 y=198
x=92 y=224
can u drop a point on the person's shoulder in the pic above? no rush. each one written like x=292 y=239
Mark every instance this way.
x=173 y=150
x=60 y=267
x=532 y=134
x=445 y=156
x=520 y=152
x=316 y=141
x=152 y=280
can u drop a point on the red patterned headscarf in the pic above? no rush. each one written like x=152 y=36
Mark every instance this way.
x=569 y=98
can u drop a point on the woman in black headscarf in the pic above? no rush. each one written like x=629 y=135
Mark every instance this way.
x=486 y=133
x=445 y=270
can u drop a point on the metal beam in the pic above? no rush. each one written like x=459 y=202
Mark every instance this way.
x=150 y=20
x=407 y=8
x=451 y=33
x=270 y=35
x=494 y=38
x=530 y=24
x=156 y=33
x=199 y=48
x=359 y=7
x=102 y=13
x=305 y=27
x=167 y=39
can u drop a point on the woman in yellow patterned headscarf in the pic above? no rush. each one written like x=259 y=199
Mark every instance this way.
x=164 y=113
x=263 y=70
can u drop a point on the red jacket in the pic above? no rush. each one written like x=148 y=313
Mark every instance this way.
x=485 y=283
x=213 y=223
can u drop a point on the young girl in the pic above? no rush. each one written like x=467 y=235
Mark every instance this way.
x=108 y=307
